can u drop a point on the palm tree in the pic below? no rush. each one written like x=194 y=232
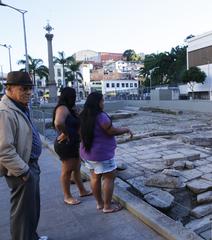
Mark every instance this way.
x=73 y=74
x=36 y=67
x=64 y=62
x=1 y=87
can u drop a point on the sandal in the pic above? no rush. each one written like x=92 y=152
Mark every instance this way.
x=88 y=193
x=116 y=208
x=72 y=201
x=99 y=207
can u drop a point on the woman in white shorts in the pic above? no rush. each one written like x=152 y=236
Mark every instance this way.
x=97 y=149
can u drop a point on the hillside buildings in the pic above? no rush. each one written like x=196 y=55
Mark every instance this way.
x=104 y=72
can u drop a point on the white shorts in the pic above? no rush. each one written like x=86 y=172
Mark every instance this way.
x=101 y=166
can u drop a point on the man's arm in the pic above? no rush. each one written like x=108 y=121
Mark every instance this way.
x=9 y=157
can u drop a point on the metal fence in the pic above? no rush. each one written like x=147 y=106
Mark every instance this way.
x=43 y=121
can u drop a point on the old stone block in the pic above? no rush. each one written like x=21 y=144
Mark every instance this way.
x=205 y=197
x=206 y=169
x=179 y=165
x=199 y=225
x=160 y=199
x=191 y=174
x=189 y=165
x=155 y=167
x=207 y=176
x=174 y=157
x=199 y=185
x=193 y=157
x=138 y=184
x=164 y=181
x=202 y=210
x=171 y=172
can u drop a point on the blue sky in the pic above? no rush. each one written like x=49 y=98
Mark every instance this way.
x=147 y=26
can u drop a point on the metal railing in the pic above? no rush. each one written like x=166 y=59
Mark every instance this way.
x=43 y=122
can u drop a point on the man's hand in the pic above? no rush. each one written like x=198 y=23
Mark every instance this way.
x=26 y=177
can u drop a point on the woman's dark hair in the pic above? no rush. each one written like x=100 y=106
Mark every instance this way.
x=66 y=98
x=88 y=118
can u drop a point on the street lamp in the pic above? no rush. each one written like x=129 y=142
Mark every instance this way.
x=8 y=47
x=24 y=27
x=150 y=81
x=2 y=79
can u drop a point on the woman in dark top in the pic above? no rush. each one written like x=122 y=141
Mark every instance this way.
x=66 y=145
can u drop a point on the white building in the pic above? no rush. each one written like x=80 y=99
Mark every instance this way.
x=59 y=75
x=199 y=54
x=87 y=55
x=123 y=67
x=60 y=80
x=85 y=70
x=113 y=87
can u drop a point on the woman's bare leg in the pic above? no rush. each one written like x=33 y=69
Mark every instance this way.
x=97 y=189
x=65 y=182
x=78 y=179
x=108 y=186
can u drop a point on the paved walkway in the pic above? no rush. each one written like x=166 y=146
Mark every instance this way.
x=62 y=222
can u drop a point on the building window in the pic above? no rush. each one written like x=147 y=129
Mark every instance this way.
x=113 y=85
x=59 y=72
x=107 y=85
x=59 y=81
x=131 y=84
x=127 y=84
x=135 y=85
x=123 y=85
x=117 y=85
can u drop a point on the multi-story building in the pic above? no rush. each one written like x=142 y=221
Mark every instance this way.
x=105 y=56
x=87 y=56
x=199 y=54
x=113 y=82
x=113 y=87
x=97 y=57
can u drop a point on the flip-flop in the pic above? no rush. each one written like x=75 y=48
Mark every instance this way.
x=86 y=194
x=73 y=202
x=99 y=207
x=113 y=209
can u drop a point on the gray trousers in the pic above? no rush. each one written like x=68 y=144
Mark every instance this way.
x=25 y=205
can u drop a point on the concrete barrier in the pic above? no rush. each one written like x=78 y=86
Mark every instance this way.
x=184 y=105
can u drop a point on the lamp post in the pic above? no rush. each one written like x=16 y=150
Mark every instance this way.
x=2 y=78
x=24 y=28
x=8 y=47
x=150 y=81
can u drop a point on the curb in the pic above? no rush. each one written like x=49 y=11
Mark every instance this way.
x=165 y=226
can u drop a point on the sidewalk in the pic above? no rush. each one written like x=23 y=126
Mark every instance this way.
x=83 y=221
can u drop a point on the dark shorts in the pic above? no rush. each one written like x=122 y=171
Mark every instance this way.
x=66 y=149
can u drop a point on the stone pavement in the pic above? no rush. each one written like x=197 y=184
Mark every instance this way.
x=153 y=218
x=63 y=222
x=168 y=164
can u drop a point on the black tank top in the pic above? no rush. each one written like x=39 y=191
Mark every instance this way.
x=72 y=125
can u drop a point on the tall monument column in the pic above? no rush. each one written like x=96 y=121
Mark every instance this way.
x=51 y=84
